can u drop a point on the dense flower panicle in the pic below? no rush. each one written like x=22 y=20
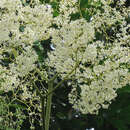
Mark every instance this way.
x=101 y=71
x=24 y=63
x=67 y=7
x=102 y=63
x=69 y=42
x=20 y=26
x=25 y=24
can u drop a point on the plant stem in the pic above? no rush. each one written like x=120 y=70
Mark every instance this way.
x=62 y=81
x=43 y=112
x=50 y=93
x=38 y=90
x=48 y=106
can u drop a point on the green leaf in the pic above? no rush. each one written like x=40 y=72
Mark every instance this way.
x=61 y=115
x=55 y=13
x=125 y=89
x=21 y=28
x=119 y=124
x=15 y=53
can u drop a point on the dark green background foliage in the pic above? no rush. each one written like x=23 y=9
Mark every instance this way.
x=63 y=117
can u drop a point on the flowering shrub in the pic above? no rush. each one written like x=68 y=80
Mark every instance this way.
x=100 y=72
x=91 y=54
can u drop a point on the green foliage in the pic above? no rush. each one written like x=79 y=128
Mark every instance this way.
x=55 y=6
x=11 y=114
x=125 y=90
x=118 y=113
x=116 y=117
x=89 y=7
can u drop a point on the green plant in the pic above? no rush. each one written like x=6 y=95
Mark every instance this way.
x=90 y=55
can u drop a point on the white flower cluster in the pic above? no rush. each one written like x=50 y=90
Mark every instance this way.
x=20 y=26
x=102 y=63
x=67 y=40
x=33 y=22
